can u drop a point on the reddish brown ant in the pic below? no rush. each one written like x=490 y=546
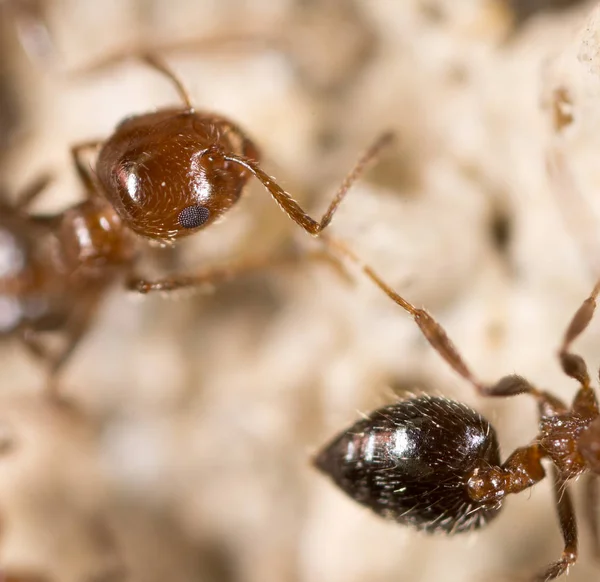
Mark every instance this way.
x=395 y=460
x=161 y=175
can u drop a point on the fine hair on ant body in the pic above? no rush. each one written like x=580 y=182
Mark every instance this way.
x=160 y=176
x=395 y=460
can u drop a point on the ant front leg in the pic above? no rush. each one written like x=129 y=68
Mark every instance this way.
x=292 y=208
x=568 y=526
x=216 y=274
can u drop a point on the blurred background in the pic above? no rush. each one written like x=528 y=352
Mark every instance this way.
x=189 y=455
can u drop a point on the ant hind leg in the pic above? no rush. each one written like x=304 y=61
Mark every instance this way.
x=568 y=526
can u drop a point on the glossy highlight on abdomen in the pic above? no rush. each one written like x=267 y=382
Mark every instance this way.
x=410 y=462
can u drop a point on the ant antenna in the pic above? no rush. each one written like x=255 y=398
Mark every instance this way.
x=292 y=208
x=160 y=66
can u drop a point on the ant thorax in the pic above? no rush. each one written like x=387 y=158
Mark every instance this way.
x=92 y=240
x=559 y=438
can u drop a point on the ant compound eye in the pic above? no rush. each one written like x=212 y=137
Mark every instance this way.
x=193 y=216
x=410 y=462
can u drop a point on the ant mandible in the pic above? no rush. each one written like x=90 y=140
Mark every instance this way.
x=162 y=175
x=395 y=459
x=173 y=172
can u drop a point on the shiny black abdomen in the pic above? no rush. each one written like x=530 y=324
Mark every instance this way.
x=410 y=462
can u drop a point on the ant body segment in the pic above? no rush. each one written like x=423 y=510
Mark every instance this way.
x=160 y=176
x=395 y=459
x=55 y=269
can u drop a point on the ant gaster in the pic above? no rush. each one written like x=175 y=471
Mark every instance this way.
x=162 y=175
x=396 y=459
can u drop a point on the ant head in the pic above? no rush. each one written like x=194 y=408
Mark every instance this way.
x=166 y=175
x=411 y=462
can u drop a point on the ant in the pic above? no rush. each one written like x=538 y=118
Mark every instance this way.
x=395 y=460
x=160 y=176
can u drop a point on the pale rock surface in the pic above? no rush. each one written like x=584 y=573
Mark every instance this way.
x=203 y=413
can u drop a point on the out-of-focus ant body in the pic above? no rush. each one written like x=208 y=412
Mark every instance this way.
x=434 y=464
x=161 y=176
x=55 y=268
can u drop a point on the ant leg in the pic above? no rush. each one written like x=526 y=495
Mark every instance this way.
x=221 y=273
x=435 y=334
x=28 y=196
x=568 y=526
x=292 y=208
x=572 y=364
x=591 y=512
x=56 y=361
x=77 y=328
x=83 y=170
